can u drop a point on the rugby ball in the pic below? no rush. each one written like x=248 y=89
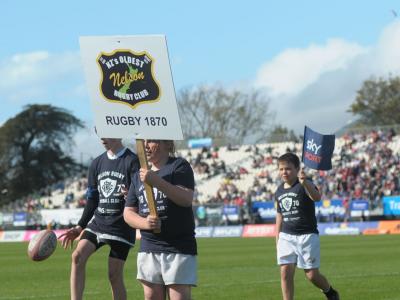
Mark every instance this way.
x=42 y=245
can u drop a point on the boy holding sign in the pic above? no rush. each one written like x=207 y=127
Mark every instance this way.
x=132 y=94
x=166 y=261
x=297 y=236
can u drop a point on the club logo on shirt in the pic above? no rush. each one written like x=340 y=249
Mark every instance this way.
x=127 y=77
x=107 y=186
x=159 y=197
x=287 y=203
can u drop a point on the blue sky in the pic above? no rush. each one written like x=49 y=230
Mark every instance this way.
x=309 y=56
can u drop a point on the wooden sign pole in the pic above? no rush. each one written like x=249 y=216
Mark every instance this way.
x=148 y=188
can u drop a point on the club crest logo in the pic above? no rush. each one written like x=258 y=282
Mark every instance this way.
x=107 y=186
x=127 y=77
x=287 y=203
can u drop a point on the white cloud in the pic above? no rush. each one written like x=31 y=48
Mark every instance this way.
x=294 y=69
x=387 y=52
x=87 y=144
x=316 y=85
x=23 y=67
x=30 y=75
x=81 y=90
x=42 y=77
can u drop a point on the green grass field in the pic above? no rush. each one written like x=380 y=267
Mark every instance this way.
x=360 y=267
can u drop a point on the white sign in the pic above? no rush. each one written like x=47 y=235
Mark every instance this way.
x=130 y=87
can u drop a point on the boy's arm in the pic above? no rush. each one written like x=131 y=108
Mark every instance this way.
x=180 y=195
x=278 y=225
x=133 y=219
x=310 y=188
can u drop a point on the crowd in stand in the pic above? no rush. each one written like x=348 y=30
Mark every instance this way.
x=202 y=167
x=72 y=194
x=367 y=168
x=364 y=167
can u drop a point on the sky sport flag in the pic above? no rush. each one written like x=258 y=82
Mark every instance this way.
x=317 y=149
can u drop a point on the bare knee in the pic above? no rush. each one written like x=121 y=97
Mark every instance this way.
x=149 y=294
x=287 y=272
x=116 y=271
x=153 y=291
x=152 y=294
x=179 y=292
x=115 y=276
x=312 y=275
x=78 y=259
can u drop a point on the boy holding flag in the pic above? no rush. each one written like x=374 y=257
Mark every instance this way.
x=297 y=236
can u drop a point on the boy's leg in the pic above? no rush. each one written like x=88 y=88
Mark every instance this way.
x=317 y=279
x=309 y=260
x=322 y=283
x=287 y=260
x=116 y=261
x=153 y=291
x=149 y=273
x=287 y=281
x=116 y=277
x=80 y=256
x=179 y=292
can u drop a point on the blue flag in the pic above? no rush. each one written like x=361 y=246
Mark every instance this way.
x=317 y=149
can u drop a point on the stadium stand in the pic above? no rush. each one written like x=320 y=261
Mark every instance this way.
x=365 y=166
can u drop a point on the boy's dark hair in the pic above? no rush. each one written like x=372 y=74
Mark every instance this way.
x=290 y=158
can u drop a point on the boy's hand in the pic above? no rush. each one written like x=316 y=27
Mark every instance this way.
x=153 y=222
x=147 y=176
x=302 y=176
x=124 y=192
x=68 y=237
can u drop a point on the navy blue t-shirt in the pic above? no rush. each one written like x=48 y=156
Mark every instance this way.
x=106 y=179
x=297 y=209
x=177 y=223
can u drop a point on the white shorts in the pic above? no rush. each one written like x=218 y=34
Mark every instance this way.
x=303 y=250
x=167 y=268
